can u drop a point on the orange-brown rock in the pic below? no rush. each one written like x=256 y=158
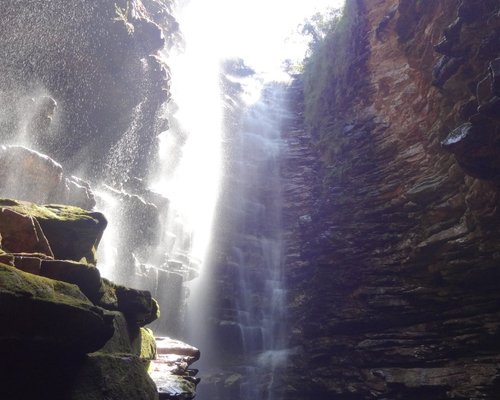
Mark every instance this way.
x=392 y=241
x=22 y=233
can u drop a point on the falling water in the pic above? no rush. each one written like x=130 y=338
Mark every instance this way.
x=180 y=193
x=160 y=223
x=261 y=301
x=248 y=294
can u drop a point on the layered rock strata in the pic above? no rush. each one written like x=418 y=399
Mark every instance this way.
x=74 y=334
x=392 y=244
x=76 y=78
x=86 y=84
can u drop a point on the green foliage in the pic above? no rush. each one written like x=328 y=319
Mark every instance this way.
x=329 y=75
x=122 y=16
x=319 y=25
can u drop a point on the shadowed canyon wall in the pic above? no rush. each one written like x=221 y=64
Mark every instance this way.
x=388 y=155
x=84 y=82
x=391 y=239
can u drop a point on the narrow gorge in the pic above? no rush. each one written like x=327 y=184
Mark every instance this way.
x=175 y=224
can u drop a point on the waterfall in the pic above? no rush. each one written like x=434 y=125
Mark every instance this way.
x=175 y=202
x=155 y=167
x=245 y=306
x=260 y=302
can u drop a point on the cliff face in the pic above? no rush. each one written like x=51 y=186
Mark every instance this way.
x=84 y=82
x=391 y=239
x=75 y=76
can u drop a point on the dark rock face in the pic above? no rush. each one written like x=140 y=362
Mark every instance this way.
x=74 y=334
x=56 y=310
x=86 y=83
x=98 y=62
x=392 y=243
x=48 y=316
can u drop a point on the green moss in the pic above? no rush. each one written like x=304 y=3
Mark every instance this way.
x=47 y=316
x=148 y=344
x=108 y=377
x=52 y=211
x=37 y=287
x=331 y=78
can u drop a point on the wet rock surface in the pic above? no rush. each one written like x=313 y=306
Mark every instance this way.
x=392 y=241
x=73 y=233
x=85 y=83
x=31 y=176
x=99 y=64
x=46 y=315
x=58 y=315
x=170 y=369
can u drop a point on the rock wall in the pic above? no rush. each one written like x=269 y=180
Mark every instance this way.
x=86 y=83
x=67 y=333
x=77 y=75
x=392 y=242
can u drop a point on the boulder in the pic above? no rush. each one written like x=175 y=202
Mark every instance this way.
x=76 y=192
x=141 y=217
x=28 y=263
x=74 y=233
x=48 y=316
x=107 y=295
x=112 y=377
x=170 y=369
x=128 y=339
x=85 y=276
x=171 y=386
x=21 y=233
x=166 y=345
x=71 y=232
x=137 y=305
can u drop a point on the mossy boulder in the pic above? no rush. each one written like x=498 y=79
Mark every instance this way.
x=6 y=258
x=144 y=344
x=71 y=232
x=129 y=339
x=22 y=233
x=48 y=316
x=112 y=377
x=138 y=306
x=85 y=276
x=107 y=295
